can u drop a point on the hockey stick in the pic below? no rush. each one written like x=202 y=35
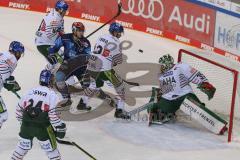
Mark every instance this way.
x=118 y=13
x=76 y=145
x=18 y=96
x=131 y=83
x=128 y=82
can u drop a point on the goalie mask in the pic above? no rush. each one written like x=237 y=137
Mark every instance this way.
x=166 y=62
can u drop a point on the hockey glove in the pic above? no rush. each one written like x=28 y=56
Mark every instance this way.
x=208 y=89
x=60 y=130
x=11 y=85
x=52 y=59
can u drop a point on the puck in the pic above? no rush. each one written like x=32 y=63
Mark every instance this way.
x=140 y=50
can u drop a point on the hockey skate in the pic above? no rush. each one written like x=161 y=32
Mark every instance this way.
x=119 y=113
x=66 y=102
x=82 y=106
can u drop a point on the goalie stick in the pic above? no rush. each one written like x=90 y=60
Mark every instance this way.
x=139 y=109
x=76 y=145
x=118 y=13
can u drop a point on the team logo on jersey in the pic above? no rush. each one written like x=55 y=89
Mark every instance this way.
x=167 y=81
x=40 y=93
x=166 y=74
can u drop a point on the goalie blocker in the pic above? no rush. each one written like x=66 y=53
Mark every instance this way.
x=204 y=116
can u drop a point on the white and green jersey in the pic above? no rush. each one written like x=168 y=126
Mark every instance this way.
x=8 y=63
x=174 y=83
x=107 y=53
x=49 y=29
x=42 y=97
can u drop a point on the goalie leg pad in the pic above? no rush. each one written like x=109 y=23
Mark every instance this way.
x=204 y=116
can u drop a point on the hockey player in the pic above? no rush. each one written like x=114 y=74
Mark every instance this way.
x=8 y=63
x=37 y=115
x=175 y=87
x=107 y=54
x=77 y=50
x=51 y=27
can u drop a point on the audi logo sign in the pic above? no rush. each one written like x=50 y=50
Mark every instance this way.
x=152 y=7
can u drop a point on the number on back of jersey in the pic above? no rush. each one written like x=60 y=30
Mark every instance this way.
x=42 y=26
x=98 y=49
x=34 y=110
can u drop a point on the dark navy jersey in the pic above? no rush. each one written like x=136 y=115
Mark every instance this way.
x=72 y=48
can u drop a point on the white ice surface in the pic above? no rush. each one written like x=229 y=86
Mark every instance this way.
x=105 y=137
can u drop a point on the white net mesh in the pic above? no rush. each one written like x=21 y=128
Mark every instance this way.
x=223 y=80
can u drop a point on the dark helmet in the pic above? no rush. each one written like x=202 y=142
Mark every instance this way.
x=45 y=78
x=16 y=48
x=61 y=5
x=116 y=27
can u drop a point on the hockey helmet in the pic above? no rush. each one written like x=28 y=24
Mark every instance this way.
x=17 y=49
x=78 y=26
x=61 y=5
x=166 y=62
x=116 y=27
x=46 y=78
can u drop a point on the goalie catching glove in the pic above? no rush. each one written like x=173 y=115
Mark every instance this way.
x=11 y=84
x=208 y=89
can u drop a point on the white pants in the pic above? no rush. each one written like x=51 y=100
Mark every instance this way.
x=24 y=145
x=3 y=112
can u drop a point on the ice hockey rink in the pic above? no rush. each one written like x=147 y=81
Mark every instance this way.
x=105 y=137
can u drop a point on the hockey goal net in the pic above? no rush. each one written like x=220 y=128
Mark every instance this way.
x=223 y=74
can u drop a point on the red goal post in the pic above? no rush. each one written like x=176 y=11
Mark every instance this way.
x=218 y=72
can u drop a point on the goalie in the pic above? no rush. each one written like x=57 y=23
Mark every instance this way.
x=174 y=88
